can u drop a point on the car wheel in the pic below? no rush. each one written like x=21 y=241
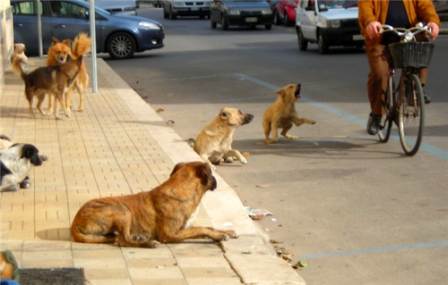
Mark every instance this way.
x=121 y=45
x=303 y=44
x=268 y=26
x=224 y=23
x=322 y=43
x=213 y=24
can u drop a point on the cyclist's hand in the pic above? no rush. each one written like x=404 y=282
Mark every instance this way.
x=434 y=30
x=373 y=30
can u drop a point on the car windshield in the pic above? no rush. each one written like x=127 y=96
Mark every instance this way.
x=338 y=4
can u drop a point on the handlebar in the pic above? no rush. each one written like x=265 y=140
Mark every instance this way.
x=408 y=35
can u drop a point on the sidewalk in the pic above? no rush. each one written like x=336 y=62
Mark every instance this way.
x=119 y=145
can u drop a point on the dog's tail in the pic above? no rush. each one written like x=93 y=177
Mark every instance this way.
x=16 y=64
x=81 y=45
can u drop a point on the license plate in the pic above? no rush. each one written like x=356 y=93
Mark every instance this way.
x=358 y=37
x=251 y=20
x=194 y=9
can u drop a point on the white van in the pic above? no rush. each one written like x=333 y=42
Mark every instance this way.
x=327 y=23
x=126 y=7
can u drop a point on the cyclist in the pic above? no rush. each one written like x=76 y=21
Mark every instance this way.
x=399 y=14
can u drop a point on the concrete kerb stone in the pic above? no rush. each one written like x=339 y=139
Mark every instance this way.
x=251 y=254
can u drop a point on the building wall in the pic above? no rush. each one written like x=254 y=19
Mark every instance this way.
x=6 y=36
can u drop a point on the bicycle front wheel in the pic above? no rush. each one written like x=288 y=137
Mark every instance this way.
x=411 y=115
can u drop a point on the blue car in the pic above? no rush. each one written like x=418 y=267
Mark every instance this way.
x=120 y=36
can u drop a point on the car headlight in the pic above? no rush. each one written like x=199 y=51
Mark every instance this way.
x=234 y=12
x=334 y=23
x=148 y=26
x=266 y=11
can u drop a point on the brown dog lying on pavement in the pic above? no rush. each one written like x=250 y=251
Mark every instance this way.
x=282 y=114
x=145 y=218
x=214 y=142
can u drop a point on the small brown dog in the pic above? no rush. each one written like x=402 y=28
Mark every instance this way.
x=282 y=114
x=214 y=142
x=158 y=215
x=59 y=53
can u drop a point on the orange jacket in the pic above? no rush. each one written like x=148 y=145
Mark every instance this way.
x=376 y=10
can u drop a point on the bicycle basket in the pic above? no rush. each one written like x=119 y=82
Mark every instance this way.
x=413 y=54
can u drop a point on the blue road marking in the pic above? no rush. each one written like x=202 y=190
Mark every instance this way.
x=427 y=148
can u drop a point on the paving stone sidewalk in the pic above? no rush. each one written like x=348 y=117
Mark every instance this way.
x=119 y=145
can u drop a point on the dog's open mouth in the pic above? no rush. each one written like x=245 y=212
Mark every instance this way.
x=297 y=93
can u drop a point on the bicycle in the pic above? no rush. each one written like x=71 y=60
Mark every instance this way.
x=403 y=102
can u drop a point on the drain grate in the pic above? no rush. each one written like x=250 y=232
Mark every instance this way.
x=53 y=276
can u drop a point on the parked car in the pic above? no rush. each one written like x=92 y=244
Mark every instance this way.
x=240 y=13
x=285 y=12
x=120 y=36
x=328 y=23
x=174 y=8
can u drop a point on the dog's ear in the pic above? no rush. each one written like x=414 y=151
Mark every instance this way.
x=54 y=41
x=281 y=92
x=176 y=168
x=204 y=173
x=224 y=114
x=31 y=152
x=67 y=42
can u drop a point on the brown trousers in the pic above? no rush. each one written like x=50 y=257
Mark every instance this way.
x=378 y=75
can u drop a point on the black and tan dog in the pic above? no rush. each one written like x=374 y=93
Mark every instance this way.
x=146 y=218
x=53 y=80
x=282 y=114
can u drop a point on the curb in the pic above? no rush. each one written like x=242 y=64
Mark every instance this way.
x=444 y=31
x=251 y=255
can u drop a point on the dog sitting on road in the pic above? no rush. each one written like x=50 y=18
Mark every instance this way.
x=15 y=164
x=282 y=114
x=214 y=142
x=146 y=218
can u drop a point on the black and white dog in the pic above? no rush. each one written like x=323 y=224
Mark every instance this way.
x=15 y=164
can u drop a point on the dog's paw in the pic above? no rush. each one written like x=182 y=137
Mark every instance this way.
x=270 y=141
x=243 y=160
x=152 y=244
x=230 y=234
x=25 y=184
x=291 y=137
x=229 y=159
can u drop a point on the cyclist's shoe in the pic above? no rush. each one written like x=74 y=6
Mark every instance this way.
x=426 y=97
x=373 y=124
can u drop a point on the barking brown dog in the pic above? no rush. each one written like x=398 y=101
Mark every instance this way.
x=282 y=114
x=214 y=142
x=145 y=218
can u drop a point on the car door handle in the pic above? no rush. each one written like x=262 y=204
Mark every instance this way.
x=62 y=26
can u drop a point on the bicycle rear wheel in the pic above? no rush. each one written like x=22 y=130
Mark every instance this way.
x=411 y=115
x=386 y=119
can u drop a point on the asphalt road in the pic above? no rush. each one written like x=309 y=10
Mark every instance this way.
x=358 y=212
